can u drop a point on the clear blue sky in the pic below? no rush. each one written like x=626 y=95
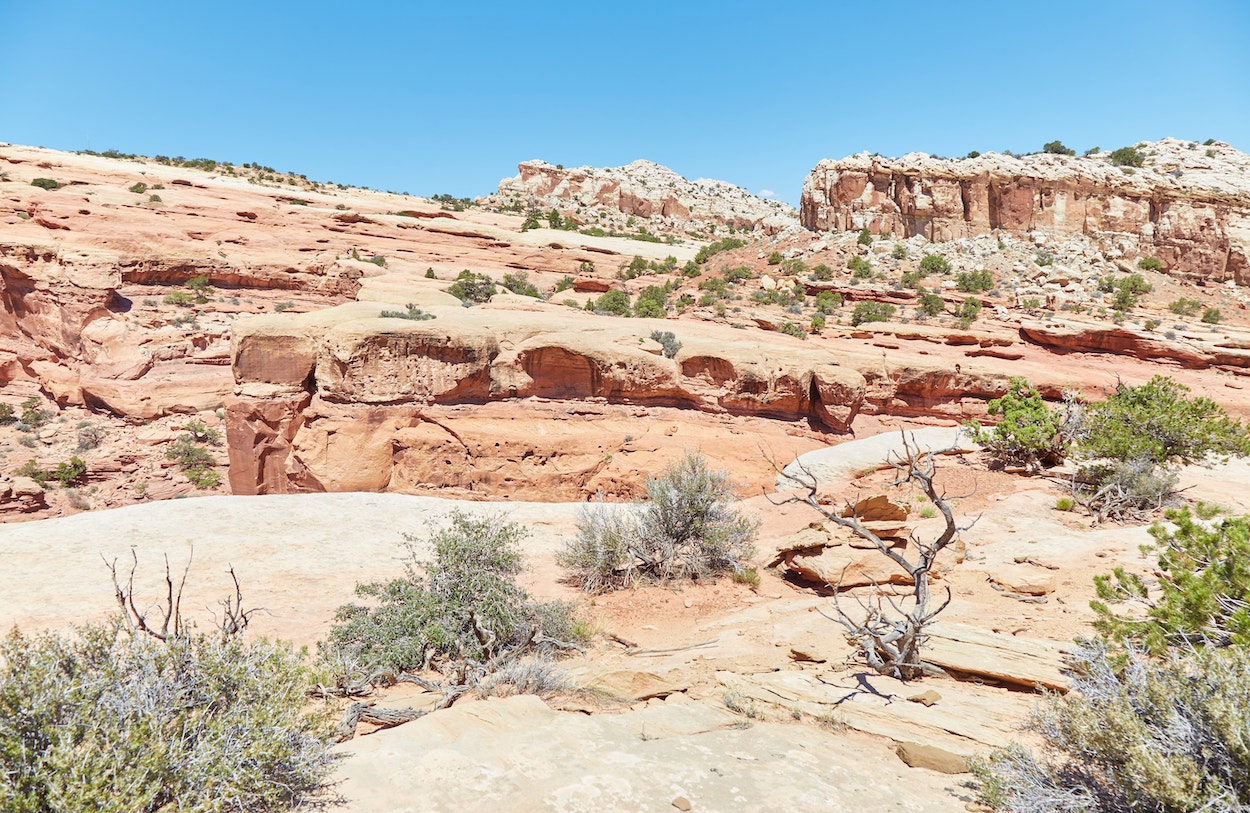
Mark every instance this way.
x=448 y=96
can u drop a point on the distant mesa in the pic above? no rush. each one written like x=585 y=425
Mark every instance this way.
x=1187 y=204
x=607 y=197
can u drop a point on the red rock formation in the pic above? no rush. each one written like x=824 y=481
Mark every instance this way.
x=1189 y=209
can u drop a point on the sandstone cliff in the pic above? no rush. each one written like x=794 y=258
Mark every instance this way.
x=642 y=189
x=1189 y=205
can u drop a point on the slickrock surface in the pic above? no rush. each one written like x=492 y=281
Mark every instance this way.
x=1189 y=204
x=609 y=196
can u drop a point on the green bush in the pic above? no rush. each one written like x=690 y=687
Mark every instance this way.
x=429 y=273
x=974 y=282
x=1128 y=290
x=899 y=251
x=1150 y=264
x=828 y=301
x=45 y=183
x=1028 y=433
x=930 y=304
x=472 y=288
x=1065 y=504
x=1134 y=734
x=1127 y=157
x=1212 y=316
x=688 y=528
x=110 y=722
x=425 y=615
x=871 y=312
x=818 y=322
x=1202 y=597
x=724 y=244
x=139 y=188
x=1156 y=421
x=737 y=274
x=775 y=258
x=33 y=413
x=518 y=282
x=970 y=310
x=934 y=264
x=183 y=299
x=614 y=302
x=195 y=461
x=860 y=268
x=69 y=473
x=6 y=414
x=566 y=282
x=822 y=273
x=652 y=302
x=791 y=329
x=1057 y=148
x=1185 y=306
x=865 y=237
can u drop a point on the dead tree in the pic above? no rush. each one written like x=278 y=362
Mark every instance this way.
x=233 y=619
x=891 y=638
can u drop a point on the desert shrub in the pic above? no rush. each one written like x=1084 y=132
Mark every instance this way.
x=822 y=272
x=791 y=329
x=1124 y=490
x=195 y=461
x=425 y=615
x=518 y=282
x=668 y=341
x=1150 y=264
x=1212 y=316
x=1134 y=734
x=818 y=322
x=429 y=274
x=970 y=310
x=652 y=302
x=106 y=721
x=1158 y=421
x=1057 y=148
x=46 y=183
x=413 y=313
x=1028 y=433
x=1043 y=258
x=711 y=249
x=1128 y=290
x=33 y=413
x=775 y=258
x=865 y=237
x=737 y=274
x=139 y=188
x=566 y=282
x=1127 y=157
x=934 y=264
x=183 y=299
x=1203 y=595
x=1185 y=306
x=860 y=268
x=930 y=304
x=828 y=301
x=687 y=528
x=912 y=279
x=32 y=470
x=869 y=311
x=1065 y=504
x=6 y=414
x=614 y=302
x=974 y=282
x=899 y=252
x=68 y=473
x=470 y=287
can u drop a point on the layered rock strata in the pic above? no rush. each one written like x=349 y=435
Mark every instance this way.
x=1188 y=205
x=342 y=399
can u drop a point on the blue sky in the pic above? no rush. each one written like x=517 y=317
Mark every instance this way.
x=448 y=97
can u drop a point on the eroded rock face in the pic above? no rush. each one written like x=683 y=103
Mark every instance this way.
x=1189 y=205
x=644 y=190
x=342 y=400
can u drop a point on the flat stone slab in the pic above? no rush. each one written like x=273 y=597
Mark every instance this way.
x=1025 y=662
x=517 y=754
x=856 y=457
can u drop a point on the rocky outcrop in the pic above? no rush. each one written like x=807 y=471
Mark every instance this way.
x=1189 y=204
x=340 y=399
x=641 y=190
